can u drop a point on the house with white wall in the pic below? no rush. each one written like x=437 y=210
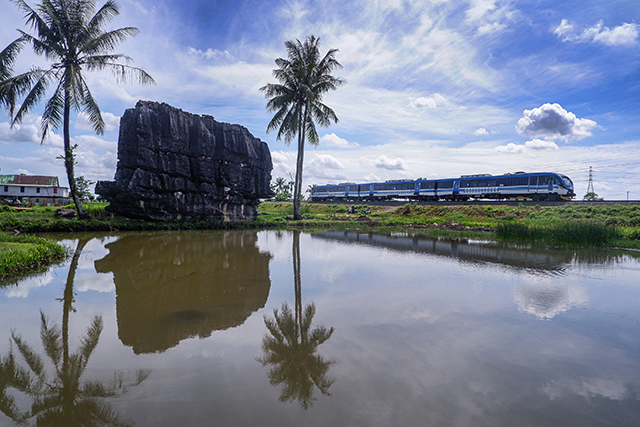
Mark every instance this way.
x=33 y=190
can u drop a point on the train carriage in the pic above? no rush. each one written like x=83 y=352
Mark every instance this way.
x=518 y=185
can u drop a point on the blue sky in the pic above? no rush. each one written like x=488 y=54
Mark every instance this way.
x=434 y=88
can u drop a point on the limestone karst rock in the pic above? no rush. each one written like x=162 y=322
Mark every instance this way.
x=177 y=165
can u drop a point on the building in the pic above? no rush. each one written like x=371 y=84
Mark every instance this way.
x=33 y=190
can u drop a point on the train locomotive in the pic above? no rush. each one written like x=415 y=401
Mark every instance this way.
x=537 y=186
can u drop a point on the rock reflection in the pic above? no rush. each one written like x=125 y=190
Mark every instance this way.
x=172 y=286
x=545 y=301
x=290 y=349
x=60 y=398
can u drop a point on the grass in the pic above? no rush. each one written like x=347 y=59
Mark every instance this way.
x=22 y=254
x=580 y=233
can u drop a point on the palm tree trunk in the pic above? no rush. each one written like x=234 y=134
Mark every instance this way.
x=68 y=157
x=67 y=308
x=297 y=189
x=297 y=284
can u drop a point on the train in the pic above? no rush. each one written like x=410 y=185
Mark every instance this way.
x=537 y=186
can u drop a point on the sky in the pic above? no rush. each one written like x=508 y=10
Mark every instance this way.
x=435 y=89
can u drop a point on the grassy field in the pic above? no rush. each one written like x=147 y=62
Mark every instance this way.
x=22 y=254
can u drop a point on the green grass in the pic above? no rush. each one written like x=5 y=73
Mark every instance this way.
x=572 y=233
x=23 y=254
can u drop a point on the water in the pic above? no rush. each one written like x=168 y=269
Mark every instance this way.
x=333 y=328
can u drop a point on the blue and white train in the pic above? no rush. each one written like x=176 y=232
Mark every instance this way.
x=515 y=186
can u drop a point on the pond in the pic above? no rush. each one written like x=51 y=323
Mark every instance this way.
x=340 y=328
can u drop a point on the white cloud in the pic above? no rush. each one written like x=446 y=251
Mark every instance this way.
x=539 y=144
x=427 y=101
x=210 y=54
x=510 y=148
x=533 y=145
x=28 y=131
x=333 y=140
x=479 y=8
x=622 y=35
x=111 y=121
x=484 y=131
x=384 y=162
x=326 y=161
x=553 y=121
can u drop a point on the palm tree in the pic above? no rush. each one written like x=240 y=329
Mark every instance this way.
x=297 y=101
x=71 y=35
x=291 y=347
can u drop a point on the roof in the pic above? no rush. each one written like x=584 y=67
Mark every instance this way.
x=51 y=181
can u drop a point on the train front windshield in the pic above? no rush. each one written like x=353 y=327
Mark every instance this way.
x=567 y=182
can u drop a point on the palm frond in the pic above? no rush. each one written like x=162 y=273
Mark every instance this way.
x=33 y=360
x=108 y=41
x=90 y=341
x=53 y=112
x=38 y=80
x=51 y=340
x=8 y=57
x=90 y=106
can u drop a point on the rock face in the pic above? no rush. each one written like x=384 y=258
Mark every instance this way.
x=177 y=165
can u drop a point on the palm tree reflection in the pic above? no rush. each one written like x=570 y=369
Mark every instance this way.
x=61 y=398
x=291 y=347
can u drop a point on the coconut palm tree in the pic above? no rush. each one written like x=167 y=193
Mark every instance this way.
x=297 y=101
x=70 y=34
x=291 y=347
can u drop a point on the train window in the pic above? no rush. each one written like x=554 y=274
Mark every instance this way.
x=353 y=188
x=427 y=185
x=445 y=184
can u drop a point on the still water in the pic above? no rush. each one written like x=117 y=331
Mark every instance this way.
x=332 y=328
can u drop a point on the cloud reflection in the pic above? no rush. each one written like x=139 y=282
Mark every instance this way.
x=545 y=301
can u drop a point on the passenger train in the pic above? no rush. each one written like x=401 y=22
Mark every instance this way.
x=515 y=186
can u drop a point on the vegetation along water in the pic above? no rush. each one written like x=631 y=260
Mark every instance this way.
x=590 y=226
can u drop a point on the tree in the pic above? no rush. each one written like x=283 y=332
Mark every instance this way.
x=82 y=187
x=297 y=101
x=282 y=188
x=71 y=35
x=592 y=197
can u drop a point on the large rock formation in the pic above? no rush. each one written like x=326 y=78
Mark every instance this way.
x=177 y=165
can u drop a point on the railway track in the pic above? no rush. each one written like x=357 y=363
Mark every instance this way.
x=487 y=203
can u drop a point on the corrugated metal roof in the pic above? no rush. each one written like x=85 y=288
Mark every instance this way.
x=51 y=181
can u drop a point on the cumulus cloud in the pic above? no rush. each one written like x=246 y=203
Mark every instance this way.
x=333 y=140
x=427 y=101
x=533 y=145
x=484 y=131
x=539 y=144
x=622 y=35
x=383 y=162
x=553 y=121
x=326 y=161
x=510 y=148
x=111 y=121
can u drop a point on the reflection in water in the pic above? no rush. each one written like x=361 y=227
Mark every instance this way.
x=291 y=348
x=535 y=258
x=61 y=398
x=172 y=286
x=546 y=301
